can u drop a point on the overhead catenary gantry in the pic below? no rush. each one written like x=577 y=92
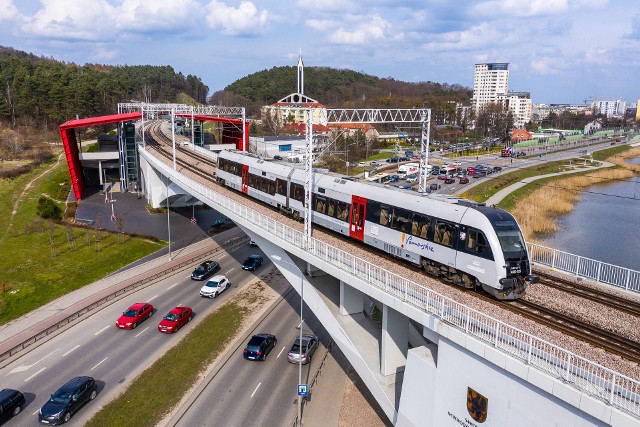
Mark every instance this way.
x=409 y=117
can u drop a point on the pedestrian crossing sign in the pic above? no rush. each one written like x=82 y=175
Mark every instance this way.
x=303 y=390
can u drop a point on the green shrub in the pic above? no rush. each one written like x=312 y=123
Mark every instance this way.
x=47 y=208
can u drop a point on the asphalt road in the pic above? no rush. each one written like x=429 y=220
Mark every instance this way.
x=95 y=347
x=259 y=393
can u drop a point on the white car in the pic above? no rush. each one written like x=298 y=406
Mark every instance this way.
x=362 y=164
x=214 y=287
x=411 y=180
x=457 y=163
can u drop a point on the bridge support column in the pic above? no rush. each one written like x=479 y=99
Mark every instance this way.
x=351 y=300
x=395 y=339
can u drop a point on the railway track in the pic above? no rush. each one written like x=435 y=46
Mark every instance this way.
x=610 y=300
x=591 y=334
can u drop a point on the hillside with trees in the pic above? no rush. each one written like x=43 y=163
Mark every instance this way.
x=340 y=89
x=42 y=92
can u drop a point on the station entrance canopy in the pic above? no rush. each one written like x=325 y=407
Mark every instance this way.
x=70 y=144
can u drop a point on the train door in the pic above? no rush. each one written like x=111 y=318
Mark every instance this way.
x=357 y=216
x=245 y=179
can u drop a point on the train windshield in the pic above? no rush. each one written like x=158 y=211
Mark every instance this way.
x=512 y=243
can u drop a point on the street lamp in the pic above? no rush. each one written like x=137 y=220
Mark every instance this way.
x=168 y=220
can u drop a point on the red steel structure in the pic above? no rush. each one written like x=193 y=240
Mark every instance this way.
x=232 y=133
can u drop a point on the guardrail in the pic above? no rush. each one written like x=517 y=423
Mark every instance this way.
x=605 y=384
x=79 y=313
x=587 y=268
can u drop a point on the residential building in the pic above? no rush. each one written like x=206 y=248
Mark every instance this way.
x=490 y=84
x=609 y=108
x=520 y=105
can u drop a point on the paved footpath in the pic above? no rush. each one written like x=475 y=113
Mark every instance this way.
x=46 y=318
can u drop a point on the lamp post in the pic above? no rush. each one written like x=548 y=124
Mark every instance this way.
x=168 y=220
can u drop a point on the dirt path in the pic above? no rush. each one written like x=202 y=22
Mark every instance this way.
x=21 y=196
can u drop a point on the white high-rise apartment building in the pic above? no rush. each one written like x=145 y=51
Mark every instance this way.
x=520 y=105
x=610 y=108
x=490 y=84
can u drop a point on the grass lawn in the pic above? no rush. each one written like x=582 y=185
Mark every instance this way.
x=42 y=260
x=158 y=389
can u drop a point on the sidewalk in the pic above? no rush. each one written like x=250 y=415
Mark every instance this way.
x=497 y=197
x=42 y=322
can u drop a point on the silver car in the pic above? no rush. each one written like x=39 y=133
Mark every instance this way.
x=309 y=346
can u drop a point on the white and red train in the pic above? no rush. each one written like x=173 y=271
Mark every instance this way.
x=465 y=242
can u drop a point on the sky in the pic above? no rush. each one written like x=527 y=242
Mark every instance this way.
x=561 y=51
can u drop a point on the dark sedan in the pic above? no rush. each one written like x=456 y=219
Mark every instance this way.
x=259 y=346
x=449 y=181
x=251 y=263
x=205 y=270
x=68 y=400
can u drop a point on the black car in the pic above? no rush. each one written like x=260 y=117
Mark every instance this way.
x=434 y=186
x=251 y=263
x=259 y=346
x=277 y=157
x=68 y=400
x=449 y=181
x=497 y=168
x=11 y=403
x=205 y=270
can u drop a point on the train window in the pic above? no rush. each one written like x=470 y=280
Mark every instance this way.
x=252 y=181
x=281 y=187
x=443 y=233
x=343 y=211
x=297 y=192
x=477 y=242
x=384 y=215
x=331 y=208
x=373 y=211
x=400 y=219
x=319 y=204
x=420 y=226
x=264 y=185
x=321 y=190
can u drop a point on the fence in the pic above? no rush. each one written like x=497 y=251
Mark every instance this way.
x=587 y=268
x=589 y=377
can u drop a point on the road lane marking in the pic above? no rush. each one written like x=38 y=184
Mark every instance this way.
x=34 y=374
x=230 y=270
x=153 y=297
x=141 y=332
x=300 y=324
x=280 y=352
x=74 y=348
x=23 y=368
x=102 y=330
x=175 y=284
x=99 y=363
x=254 y=391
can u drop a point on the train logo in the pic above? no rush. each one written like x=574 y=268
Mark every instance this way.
x=477 y=405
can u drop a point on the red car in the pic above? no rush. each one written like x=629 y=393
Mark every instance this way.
x=136 y=314
x=464 y=180
x=175 y=319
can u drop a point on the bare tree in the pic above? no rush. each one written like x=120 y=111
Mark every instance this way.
x=120 y=227
x=52 y=239
x=71 y=238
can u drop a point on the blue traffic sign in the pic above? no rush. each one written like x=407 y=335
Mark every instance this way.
x=303 y=390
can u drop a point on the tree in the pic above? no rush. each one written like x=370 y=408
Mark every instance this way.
x=48 y=209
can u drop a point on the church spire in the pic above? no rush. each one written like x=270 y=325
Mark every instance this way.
x=300 y=74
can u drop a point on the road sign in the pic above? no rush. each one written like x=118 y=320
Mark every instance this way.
x=303 y=390
x=193 y=220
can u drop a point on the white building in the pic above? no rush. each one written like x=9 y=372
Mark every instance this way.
x=609 y=108
x=520 y=105
x=490 y=84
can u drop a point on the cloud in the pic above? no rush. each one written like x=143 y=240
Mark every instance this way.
x=596 y=55
x=157 y=15
x=320 y=24
x=245 y=20
x=518 y=8
x=364 y=30
x=326 y=5
x=635 y=28
x=479 y=36
x=8 y=12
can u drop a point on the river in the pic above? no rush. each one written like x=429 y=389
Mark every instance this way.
x=605 y=224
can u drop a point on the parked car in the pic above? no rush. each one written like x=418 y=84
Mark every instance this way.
x=175 y=319
x=11 y=403
x=136 y=314
x=394 y=178
x=449 y=181
x=464 y=180
x=411 y=179
x=214 y=287
x=309 y=346
x=259 y=346
x=67 y=400
x=434 y=186
x=205 y=270
x=252 y=262
x=220 y=223
x=277 y=157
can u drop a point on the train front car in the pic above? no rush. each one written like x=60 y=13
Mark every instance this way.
x=511 y=256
